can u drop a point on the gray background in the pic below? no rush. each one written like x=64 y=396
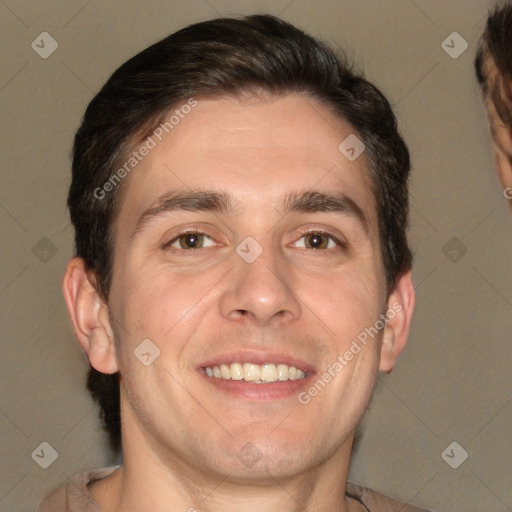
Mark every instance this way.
x=451 y=384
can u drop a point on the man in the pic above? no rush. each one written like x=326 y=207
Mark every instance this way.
x=242 y=272
x=493 y=66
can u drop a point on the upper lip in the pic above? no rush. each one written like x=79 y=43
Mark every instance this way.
x=257 y=357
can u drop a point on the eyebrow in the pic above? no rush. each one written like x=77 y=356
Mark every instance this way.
x=314 y=201
x=221 y=202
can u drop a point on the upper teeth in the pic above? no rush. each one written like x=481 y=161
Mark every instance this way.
x=255 y=372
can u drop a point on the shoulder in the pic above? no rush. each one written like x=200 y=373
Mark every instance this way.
x=75 y=496
x=377 y=502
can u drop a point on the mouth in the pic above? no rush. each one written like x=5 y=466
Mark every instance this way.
x=256 y=376
x=260 y=374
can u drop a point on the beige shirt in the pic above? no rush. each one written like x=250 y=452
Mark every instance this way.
x=76 y=497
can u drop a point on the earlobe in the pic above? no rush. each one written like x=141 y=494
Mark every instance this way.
x=89 y=316
x=400 y=307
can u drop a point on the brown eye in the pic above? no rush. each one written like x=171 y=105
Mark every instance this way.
x=189 y=241
x=318 y=240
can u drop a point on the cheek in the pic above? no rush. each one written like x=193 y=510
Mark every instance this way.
x=157 y=303
x=347 y=302
x=155 y=306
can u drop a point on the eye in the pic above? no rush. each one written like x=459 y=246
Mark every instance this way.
x=319 y=240
x=190 y=240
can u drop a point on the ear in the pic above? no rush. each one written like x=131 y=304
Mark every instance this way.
x=89 y=316
x=400 y=306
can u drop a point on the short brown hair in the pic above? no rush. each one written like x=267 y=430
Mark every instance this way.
x=493 y=61
x=225 y=56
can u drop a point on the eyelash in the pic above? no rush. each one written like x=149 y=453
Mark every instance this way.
x=168 y=244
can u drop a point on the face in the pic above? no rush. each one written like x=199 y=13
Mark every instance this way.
x=502 y=148
x=502 y=139
x=246 y=236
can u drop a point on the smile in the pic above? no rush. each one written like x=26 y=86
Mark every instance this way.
x=256 y=373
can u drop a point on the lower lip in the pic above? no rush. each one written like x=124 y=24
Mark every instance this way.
x=259 y=392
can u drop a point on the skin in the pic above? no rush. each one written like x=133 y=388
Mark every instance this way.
x=502 y=150
x=501 y=136
x=181 y=435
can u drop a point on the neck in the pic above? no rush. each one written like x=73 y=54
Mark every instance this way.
x=147 y=482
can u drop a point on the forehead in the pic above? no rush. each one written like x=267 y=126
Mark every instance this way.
x=255 y=149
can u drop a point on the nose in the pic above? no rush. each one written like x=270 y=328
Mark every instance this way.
x=260 y=291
